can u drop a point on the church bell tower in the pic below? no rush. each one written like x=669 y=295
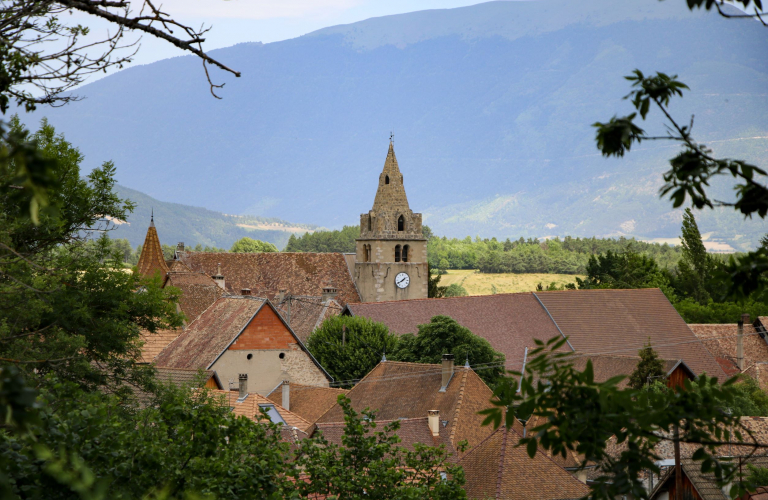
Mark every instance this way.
x=391 y=260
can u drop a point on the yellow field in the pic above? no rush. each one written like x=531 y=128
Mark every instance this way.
x=477 y=283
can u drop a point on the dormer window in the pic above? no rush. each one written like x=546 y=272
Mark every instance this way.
x=401 y=223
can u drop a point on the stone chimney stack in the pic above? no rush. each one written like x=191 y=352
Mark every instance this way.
x=180 y=246
x=433 y=418
x=218 y=278
x=286 y=395
x=243 y=388
x=281 y=296
x=447 y=371
x=740 y=345
x=329 y=292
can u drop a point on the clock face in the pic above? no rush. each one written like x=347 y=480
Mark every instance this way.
x=402 y=280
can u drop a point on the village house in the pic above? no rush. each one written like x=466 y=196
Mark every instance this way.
x=397 y=390
x=595 y=322
x=244 y=337
x=697 y=485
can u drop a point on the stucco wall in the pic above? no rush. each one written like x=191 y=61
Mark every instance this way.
x=266 y=369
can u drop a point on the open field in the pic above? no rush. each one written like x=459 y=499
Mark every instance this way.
x=477 y=283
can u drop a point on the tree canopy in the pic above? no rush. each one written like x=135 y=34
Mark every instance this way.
x=249 y=245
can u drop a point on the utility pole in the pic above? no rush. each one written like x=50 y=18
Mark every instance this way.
x=678 y=468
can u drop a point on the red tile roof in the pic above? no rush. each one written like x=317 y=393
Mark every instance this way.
x=210 y=333
x=151 y=260
x=721 y=340
x=309 y=402
x=307 y=313
x=621 y=322
x=498 y=468
x=605 y=367
x=154 y=343
x=409 y=390
x=250 y=408
x=412 y=431
x=265 y=274
x=198 y=292
x=510 y=322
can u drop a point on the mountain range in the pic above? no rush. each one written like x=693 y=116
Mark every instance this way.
x=491 y=106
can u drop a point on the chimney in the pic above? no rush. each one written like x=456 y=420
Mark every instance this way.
x=329 y=292
x=740 y=344
x=281 y=296
x=218 y=278
x=286 y=395
x=245 y=291
x=433 y=418
x=180 y=246
x=447 y=371
x=243 y=392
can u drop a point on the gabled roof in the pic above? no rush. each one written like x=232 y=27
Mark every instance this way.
x=498 y=468
x=250 y=408
x=623 y=321
x=210 y=333
x=409 y=390
x=198 y=291
x=151 y=260
x=412 y=431
x=309 y=402
x=181 y=378
x=265 y=274
x=510 y=322
x=307 y=313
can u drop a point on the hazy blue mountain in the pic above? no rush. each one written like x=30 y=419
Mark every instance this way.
x=193 y=225
x=491 y=106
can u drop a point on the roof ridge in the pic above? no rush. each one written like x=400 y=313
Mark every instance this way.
x=456 y=412
x=502 y=456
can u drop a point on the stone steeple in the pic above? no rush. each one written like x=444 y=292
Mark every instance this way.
x=151 y=260
x=391 y=257
x=391 y=192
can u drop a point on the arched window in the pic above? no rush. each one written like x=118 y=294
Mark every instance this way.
x=365 y=253
x=397 y=253
x=369 y=223
x=401 y=223
x=386 y=179
x=405 y=253
x=370 y=254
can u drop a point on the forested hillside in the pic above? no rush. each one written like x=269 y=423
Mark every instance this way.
x=492 y=106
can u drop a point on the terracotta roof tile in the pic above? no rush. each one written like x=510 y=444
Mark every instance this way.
x=210 y=333
x=498 y=468
x=265 y=274
x=409 y=390
x=721 y=340
x=510 y=322
x=307 y=401
x=621 y=322
x=605 y=367
x=250 y=408
x=198 y=292
x=154 y=343
x=151 y=260
x=178 y=377
x=412 y=431
x=307 y=313
x=177 y=266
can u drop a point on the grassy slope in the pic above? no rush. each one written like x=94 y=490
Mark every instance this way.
x=477 y=283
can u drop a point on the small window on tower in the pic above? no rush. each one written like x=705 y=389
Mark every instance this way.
x=386 y=179
x=405 y=253
x=369 y=223
x=370 y=253
x=397 y=253
x=401 y=223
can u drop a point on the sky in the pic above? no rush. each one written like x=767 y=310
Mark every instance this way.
x=237 y=21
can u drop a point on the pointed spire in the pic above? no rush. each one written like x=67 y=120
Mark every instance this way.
x=152 y=260
x=466 y=363
x=390 y=195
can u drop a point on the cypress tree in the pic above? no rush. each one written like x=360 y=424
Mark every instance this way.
x=648 y=368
